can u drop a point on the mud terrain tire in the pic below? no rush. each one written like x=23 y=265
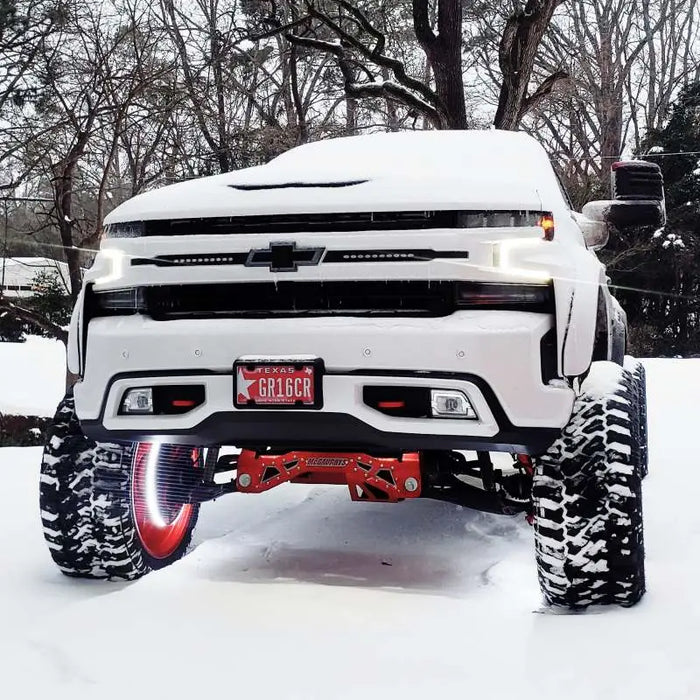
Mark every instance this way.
x=588 y=499
x=87 y=510
x=636 y=368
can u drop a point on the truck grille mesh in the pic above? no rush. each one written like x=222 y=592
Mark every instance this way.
x=267 y=299
x=295 y=223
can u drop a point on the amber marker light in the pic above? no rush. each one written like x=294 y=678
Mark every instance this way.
x=546 y=223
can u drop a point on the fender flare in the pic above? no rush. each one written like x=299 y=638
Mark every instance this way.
x=75 y=332
x=618 y=333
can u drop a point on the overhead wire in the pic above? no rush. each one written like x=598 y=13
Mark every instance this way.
x=653 y=154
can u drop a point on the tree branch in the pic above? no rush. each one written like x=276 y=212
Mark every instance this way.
x=376 y=56
x=421 y=23
x=384 y=89
x=19 y=312
x=543 y=90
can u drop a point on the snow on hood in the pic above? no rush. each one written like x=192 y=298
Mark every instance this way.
x=378 y=172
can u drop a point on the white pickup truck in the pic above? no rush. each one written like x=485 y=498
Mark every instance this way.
x=383 y=311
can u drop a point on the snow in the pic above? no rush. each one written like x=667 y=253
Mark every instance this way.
x=604 y=378
x=674 y=240
x=390 y=192
x=482 y=152
x=408 y=171
x=32 y=376
x=299 y=593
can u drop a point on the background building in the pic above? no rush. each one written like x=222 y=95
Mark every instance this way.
x=17 y=275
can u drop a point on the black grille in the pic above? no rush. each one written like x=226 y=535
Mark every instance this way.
x=327 y=222
x=267 y=299
x=295 y=223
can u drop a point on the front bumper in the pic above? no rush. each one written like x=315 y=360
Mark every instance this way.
x=492 y=356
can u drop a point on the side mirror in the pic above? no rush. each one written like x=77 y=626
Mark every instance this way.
x=638 y=201
x=593 y=225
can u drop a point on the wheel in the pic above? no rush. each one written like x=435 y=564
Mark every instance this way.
x=587 y=499
x=111 y=510
x=640 y=380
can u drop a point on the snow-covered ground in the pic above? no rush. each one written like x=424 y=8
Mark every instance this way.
x=32 y=376
x=300 y=593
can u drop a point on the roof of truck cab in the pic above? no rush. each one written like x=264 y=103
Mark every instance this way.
x=482 y=151
x=381 y=172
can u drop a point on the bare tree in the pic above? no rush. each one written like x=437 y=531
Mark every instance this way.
x=626 y=59
x=366 y=56
x=517 y=50
x=23 y=26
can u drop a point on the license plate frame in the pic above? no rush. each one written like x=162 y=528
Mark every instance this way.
x=255 y=366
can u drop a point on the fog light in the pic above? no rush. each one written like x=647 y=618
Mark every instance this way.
x=451 y=404
x=138 y=401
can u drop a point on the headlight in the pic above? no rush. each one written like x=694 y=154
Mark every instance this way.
x=119 y=302
x=128 y=229
x=518 y=257
x=521 y=297
x=112 y=262
x=501 y=219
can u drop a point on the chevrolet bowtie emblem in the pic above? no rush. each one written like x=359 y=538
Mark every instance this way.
x=283 y=257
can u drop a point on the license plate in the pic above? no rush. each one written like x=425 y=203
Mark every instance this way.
x=277 y=384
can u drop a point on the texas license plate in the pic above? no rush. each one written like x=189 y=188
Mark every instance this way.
x=277 y=384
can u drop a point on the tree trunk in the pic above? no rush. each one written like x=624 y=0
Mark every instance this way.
x=63 y=194
x=610 y=107
x=450 y=89
x=392 y=117
x=299 y=112
x=351 y=110
x=610 y=135
x=444 y=54
x=217 y=58
x=516 y=57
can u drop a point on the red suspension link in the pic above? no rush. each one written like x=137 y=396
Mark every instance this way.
x=385 y=479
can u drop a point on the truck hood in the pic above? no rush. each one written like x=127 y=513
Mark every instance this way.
x=283 y=190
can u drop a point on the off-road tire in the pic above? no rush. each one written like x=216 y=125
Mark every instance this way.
x=587 y=499
x=636 y=368
x=86 y=508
